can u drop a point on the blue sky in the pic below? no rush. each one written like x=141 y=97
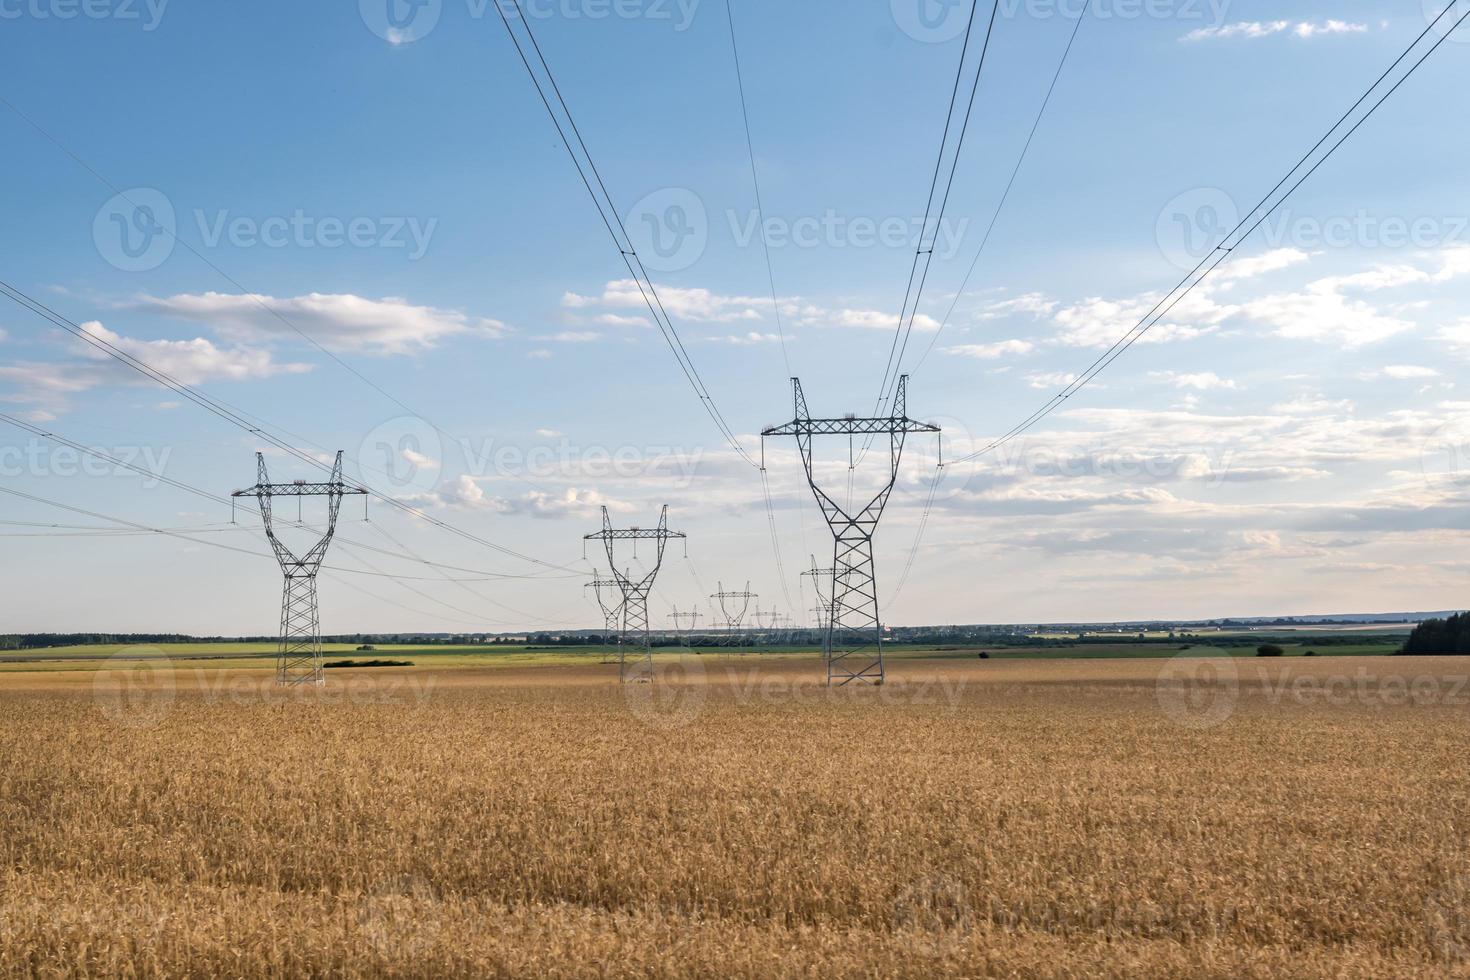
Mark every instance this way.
x=1291 y=440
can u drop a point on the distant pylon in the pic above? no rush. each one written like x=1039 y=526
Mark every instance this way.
x=611 y=611
x=299 y=654
x=686 y=636
x=733 y=616
x=635 y=643
x=823 y=608
x=854 y=641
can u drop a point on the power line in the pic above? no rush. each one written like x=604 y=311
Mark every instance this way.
x=755 y=181
x=220 y=498
x=1227 y=247
x=1015 y=171
x=892 y=369
x=246 y=293
x=612 y=220
x=237 y=418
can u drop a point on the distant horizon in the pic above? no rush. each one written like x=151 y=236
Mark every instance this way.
x=1385 y=618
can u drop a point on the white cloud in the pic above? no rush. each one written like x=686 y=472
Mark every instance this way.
x=337 y=321
x=990 y=352
x=1051 y=379
x=548 y=433
x=682 y=303
x=1033 y=304
x=1408 y=372
x=575 y=337
x=1241 y=28
x=1201 y=381
x=1268 y=28
x=419 y=459
x=747 y=339
x=190 y=362
x=539 y=354
x=1456 y=336
x=1308 y=29
x=618 y=320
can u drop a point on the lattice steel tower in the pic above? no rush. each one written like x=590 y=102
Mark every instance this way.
x=686 y=635
x=299 y=655
x=612 y=611
x=823 y=608
x=733 y=620
x=854 y=642
x=635 y=665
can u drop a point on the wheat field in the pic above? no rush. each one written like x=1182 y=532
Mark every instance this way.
x=1067 y=819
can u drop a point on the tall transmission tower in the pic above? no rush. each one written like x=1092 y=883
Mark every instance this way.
x=635 y=666
x=299 y=655
x=854 y=644
x=732 y=616
x=611 y=611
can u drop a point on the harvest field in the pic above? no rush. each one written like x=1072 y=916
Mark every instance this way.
x=1184 y=816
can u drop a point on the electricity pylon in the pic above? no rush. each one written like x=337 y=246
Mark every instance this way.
x=611 y=611
x=634 y=666
x=854 y=644
x=824 y=600
x=686 y=635
x=733 y=620
x=299 y=654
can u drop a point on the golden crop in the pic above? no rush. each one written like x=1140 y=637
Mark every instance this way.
x=1085 y=818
